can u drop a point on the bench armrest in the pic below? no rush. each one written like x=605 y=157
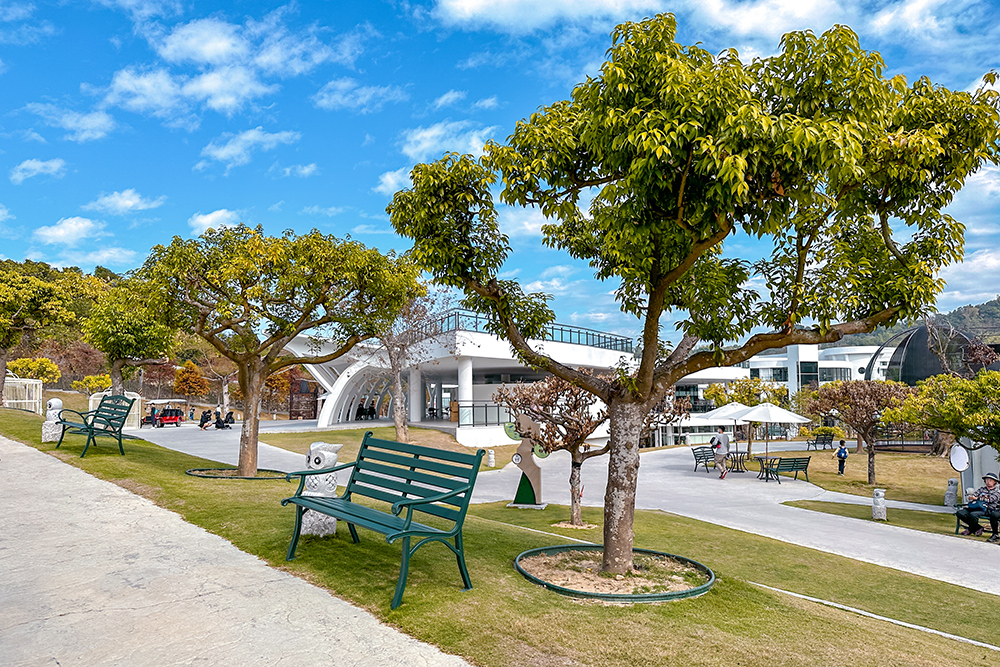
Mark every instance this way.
x=397 y=507
x=302 y=474
x=82 y=415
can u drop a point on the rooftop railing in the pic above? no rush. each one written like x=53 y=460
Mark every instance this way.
x=467 y=320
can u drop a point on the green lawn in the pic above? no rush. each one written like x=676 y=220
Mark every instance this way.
x=506 y=621
x=929 y=522
x=916 y=478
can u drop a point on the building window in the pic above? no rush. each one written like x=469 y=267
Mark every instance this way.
x=755 y=372
x=834 y=374
x=808 y=373
x=779 y=374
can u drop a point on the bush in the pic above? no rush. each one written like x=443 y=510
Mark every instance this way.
x=835 y=431
x=39 y=368
x=92 y=384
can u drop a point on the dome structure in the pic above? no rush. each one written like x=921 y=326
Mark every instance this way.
x=909 y=358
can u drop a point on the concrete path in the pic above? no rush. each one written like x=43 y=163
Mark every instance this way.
x=91 y=574
x=741 y=501
x=222 y=445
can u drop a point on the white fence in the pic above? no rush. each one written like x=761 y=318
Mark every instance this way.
x=24 y=394
x=134 y=415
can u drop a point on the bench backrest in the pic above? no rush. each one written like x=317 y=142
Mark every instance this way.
x=392 y=471
x=112 y=412
x=703 y=453
x=826 y=438
x=795 y=463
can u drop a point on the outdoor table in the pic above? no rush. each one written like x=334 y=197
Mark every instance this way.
x=738 y=461
x=763 y=461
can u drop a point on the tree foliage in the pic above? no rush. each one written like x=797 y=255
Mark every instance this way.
x=811 y=151
x=863 y=405
x=188 y=381
x=964 y=407
x=37 y=368
x=92 y=384
x=249 y=295
x=749 y=391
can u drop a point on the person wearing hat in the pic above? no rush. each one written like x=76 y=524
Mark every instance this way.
x=989 y=498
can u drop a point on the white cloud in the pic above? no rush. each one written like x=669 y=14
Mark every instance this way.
x=141 y=10
x=199 y=222
x=5 y=214
x=30 y=168
x=449 y=98
x=369 y=229
x=973 y=281
x=392 y=182
x=555 y=286
x=126 y=201
x=329 y=211
x=300 y=170
x=276 y=206
x=769 y=19
x=155 y=92
x=283 y=53
x=18 y=25
x=237 y=149
x=520 y=221
x=486 y=103
x=527 y=15
x=560 y=270
x=422 y=143
x=81 y=127
x=347 y=93
x=204 y=42
x=227 y=89
x=69 y=231
x=112 y=256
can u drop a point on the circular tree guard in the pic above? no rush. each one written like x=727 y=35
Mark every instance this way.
x=214 y=473
x=615 y=597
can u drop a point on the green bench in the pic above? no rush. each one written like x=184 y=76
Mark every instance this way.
x=703 y=456
x=791 y=464
x=821 y=441
x=106 y=421
x=420 y=480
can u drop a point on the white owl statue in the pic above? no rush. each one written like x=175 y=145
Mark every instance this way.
x=951 y=494
x=321 y=455
x=50 y=429
x=52 y=409
x=878 y=505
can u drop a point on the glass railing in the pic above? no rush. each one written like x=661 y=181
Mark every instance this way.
x=472 y=413
x=466 y=320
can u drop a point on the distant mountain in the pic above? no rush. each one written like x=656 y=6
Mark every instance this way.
x=982 y=320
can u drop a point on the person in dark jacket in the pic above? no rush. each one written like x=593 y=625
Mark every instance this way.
x=206 y=419
x=371 y=411
x=988 y=496
x=360 y=413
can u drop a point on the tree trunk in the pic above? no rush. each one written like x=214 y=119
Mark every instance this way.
x=861 y=445
x=626 y=421
x=252 y=377
x=399 y=408
x=943 y=442
x=871 y=462
x=749 y=439
x=4 y=354
x=225 y=396
x=575 y=492
x=117 y=382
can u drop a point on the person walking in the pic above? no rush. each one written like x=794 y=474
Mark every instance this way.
x=841 y=455
x=988 y=496
x=720 y=445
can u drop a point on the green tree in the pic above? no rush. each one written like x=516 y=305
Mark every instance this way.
x=91 y=384
x=750 y=392
x=123 y=328
x=963 y=407
x=38 y=368
x=189 y=382
x=28 y=304
x=812 y=151
x=249 y=295
x=862 y=405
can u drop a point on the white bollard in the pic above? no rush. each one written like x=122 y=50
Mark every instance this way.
x=491 y=458
x=951 y=494
x=878 y=505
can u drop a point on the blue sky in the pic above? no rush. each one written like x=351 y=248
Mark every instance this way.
x=126 y=122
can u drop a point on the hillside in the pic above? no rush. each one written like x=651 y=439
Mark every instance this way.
x=981 y=320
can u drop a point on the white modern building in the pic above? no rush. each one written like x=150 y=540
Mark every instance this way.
x=460 y=366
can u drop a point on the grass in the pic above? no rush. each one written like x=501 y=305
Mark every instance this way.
x=506 y=621
x=928 y=522
x=916 y=478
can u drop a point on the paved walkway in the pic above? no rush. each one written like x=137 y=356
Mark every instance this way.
x=741 y=501
x=91 y=574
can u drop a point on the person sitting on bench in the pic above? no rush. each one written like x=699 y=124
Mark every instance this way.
x=989 y=497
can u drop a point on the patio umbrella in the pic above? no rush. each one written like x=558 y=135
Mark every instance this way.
x=769 y=413
x=728 y=411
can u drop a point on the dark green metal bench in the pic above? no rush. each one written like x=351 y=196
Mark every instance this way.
x=821 y=441
x=106 y=421
x=423 y=480
x=791 y=464
x=703 y=456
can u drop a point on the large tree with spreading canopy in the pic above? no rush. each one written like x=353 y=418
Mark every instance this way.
x=249 y=295
x=840 y=173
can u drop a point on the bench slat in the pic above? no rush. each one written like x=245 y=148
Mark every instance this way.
x=421 y=464
x=405 y=490
x=423 y=452
x=359 y=515
x=446 y=483
x=384 y=496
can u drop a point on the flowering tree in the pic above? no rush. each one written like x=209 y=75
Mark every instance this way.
x=863 y=405
x=38 y=368
x=189 y=382
x=91 y=384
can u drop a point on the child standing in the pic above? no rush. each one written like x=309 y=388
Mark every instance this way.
x=841 y=457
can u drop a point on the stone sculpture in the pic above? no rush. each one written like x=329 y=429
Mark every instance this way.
x=321 y=455
x=878 y=505
x=951 y=495
x=50 y=429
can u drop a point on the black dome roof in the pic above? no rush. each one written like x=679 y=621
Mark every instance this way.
x=911 y=358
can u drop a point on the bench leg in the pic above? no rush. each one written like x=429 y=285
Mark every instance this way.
x=460 y=554
x=61 y=436
x=354 y=532
x=404 y=569
x=295 y=536
x=120 y=448
x=90 y=438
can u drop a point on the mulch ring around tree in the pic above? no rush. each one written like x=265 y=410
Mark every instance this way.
x=575 y=570
x=232 y=473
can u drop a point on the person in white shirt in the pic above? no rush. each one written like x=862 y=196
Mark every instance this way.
x=720 y=445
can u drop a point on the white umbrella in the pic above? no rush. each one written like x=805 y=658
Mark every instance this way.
x=769 y=413
x=728 y=411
